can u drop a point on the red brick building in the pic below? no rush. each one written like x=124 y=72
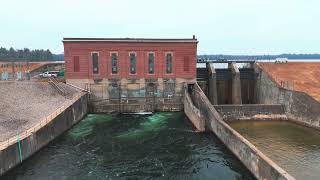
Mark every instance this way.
x=131 y=64
x=79 y=54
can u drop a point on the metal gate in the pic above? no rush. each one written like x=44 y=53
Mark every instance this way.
x=150 y=96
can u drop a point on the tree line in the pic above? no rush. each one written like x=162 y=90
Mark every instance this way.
x=25 y=54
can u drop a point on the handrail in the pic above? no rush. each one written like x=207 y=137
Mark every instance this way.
x=78 y=88
x=55 y=83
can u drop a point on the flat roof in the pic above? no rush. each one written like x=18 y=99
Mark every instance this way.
x=134 y=40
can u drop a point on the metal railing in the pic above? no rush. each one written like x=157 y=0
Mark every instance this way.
x=285 y=84
x=22 y=135
x=53 y=82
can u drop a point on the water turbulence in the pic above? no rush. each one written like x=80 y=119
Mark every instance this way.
x=159 y=146
x=294 y=147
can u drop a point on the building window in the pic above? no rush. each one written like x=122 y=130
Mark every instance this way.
x=151 y=63
x=114 y=63
x=133 y=63
x=95 y=63
x=169 y=63
x=76 y=65
x=186 y=63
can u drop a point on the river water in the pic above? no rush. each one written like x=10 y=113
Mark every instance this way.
x=294 y=147
x=160 y=146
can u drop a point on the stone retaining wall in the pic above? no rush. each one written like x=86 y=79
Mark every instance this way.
x=299 y=106
x=33 y=140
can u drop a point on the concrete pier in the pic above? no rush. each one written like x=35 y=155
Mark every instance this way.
x=212 y=81
x=236 y=83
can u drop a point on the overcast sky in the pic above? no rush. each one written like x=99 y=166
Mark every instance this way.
x=221 y=26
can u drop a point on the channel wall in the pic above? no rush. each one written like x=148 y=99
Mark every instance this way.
x=16 y=149
x=205 y=117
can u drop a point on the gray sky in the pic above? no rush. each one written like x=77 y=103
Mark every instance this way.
x=221 y=26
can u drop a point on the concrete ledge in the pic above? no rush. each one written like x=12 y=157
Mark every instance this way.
x=260 y=165
x=138 y=104
x=251 y=112
x=32 y=141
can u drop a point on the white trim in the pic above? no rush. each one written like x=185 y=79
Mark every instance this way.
x=168 y=52
x=95 y=52
x=132 y=52
x=114 y=52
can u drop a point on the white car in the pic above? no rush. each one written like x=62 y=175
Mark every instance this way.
x=49 y=74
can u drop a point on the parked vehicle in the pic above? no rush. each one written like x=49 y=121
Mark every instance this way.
x=49 y=74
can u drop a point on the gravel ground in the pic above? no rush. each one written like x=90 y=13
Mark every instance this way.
x=23 y=104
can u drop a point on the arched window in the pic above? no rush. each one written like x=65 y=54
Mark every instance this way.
x=133 y=63
x=95 y=62
x=169 y=63
x=151 y=63
x=114 y=63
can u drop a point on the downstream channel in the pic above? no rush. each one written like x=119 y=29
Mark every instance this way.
x=158 y=146
x=294 y=147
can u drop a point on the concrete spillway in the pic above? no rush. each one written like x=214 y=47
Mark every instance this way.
x=206 y=118
x=294 y=147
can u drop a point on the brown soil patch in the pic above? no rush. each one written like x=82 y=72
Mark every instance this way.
x=22 y=67
x=300 y=76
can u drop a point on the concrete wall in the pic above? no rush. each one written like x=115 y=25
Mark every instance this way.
x=141 y=104
x=9 y=157
x=260 y=165
x=134 y=95
x=251 y=112
x=299 y=106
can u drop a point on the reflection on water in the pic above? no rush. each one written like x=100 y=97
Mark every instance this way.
x=294 y=147
x=160 y=146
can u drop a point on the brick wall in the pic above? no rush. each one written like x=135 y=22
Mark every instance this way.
x=182 y=53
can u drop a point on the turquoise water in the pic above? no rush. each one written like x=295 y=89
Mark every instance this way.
x=294 y=147
x=158 y=146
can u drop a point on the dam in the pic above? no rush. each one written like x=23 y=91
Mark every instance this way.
x=82 y=128
x=167 y=144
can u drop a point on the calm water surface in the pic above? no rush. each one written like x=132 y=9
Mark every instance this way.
x=160 y=146
x=294 y=147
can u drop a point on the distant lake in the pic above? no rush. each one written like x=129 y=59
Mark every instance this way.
x=225 y=65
